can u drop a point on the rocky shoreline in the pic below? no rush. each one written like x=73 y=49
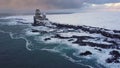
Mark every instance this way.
x=106 y=39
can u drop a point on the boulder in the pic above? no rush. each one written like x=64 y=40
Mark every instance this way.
x=115 y=57
x=85 y=53
x=46 y=39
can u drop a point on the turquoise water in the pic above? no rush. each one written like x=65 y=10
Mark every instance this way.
x=18 y=50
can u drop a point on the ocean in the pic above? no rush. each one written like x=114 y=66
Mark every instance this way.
x=15 y=54
x=55 y=48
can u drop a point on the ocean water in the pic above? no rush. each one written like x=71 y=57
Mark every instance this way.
x=14 y=54
x=20 y=48
x=20 y=51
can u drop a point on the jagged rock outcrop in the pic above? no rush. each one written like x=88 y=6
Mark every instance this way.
x=39 y=18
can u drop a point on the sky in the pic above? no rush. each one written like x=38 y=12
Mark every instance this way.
x=24 y=5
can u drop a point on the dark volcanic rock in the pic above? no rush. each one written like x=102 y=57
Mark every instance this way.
x=46 y=39
x=64 y=26
x=112 y=60
x=34 y=30
x=115 y=53
x=89 y=29
x=116 y=31
x=60 y=37
x=86 y=53
x=70 y=40
x=81 y=43
x=98 y=49
x=115 y=57
x=113 y=42
x=82 y=37
x=109 y=60
x=43 y=32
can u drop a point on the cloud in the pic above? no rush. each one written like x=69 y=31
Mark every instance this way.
x=13 y=5
x=66 y=3
x=102 y=7
x=103 y=1
x=22 y=4
x=43 y=4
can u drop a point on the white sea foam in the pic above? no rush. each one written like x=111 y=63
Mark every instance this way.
x=28 y=43
x=25 y=18
x=66 y=56
x=70 y=34
x=17 y=20
x=51 y=50
x=97 y=41
x=10 y=22
x=29 y=33
x=103 y=56
x=76 y=61
x=2 y=31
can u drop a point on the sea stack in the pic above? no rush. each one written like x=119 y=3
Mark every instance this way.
x=39 y=18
